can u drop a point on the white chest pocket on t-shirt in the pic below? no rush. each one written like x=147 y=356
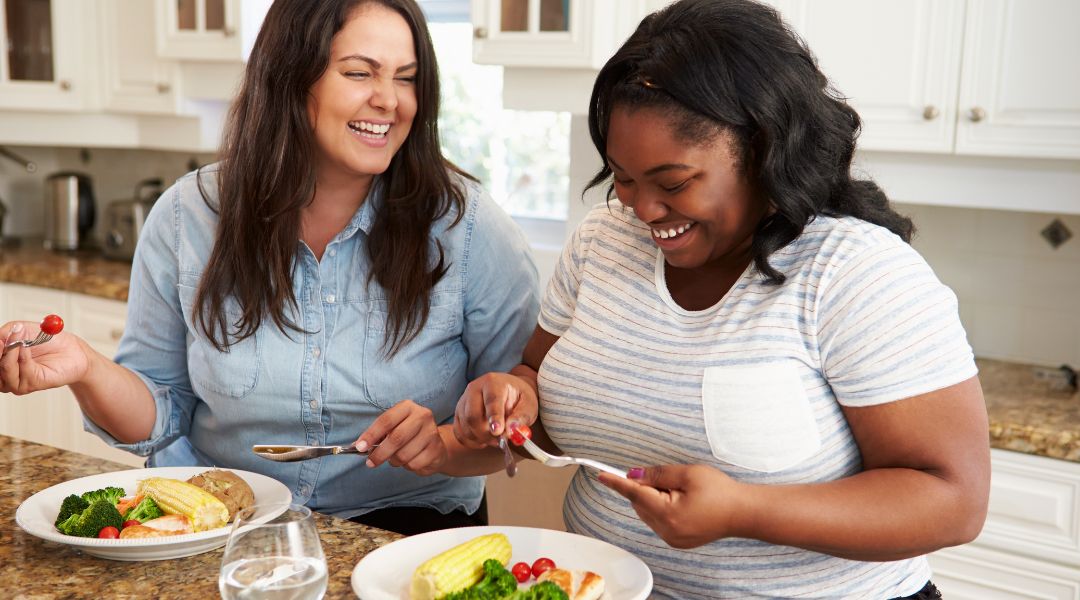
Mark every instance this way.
x=758 y=417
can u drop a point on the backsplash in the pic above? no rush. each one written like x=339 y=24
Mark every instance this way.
x=1019 y=297
x=114 y=173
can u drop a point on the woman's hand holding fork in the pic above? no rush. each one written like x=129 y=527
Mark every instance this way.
x=60 y=361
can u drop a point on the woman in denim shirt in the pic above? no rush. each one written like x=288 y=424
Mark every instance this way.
x=333 y=280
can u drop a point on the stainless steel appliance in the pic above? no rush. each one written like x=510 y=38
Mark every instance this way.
x=69 y=210
x=124 y=220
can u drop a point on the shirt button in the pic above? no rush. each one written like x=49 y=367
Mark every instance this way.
x=313 y=404
x=305 y=490
x=317 y=352
x=333 y=253
x=330 y=299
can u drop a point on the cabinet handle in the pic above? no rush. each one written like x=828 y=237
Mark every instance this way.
x=976 y=114
x=65 y=85
x=116 y=334
x=163 y=88
x=930 y=113
x=480 y=33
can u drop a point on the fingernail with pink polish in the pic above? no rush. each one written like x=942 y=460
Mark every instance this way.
x=370 y=464
x=493 y=424
x=16 y=328
x=361 y=446
x=635 y=473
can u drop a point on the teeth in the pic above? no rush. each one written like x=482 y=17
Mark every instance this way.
x=366 y=127
x=666 y=234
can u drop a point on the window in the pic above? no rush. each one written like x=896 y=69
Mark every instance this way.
x=521 y=157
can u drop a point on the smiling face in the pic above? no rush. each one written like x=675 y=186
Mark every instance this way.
x=693 y=196
x=362 y=107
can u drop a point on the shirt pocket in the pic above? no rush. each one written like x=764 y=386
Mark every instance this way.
x=758 y=417
x=232 y=373
x=420 y=371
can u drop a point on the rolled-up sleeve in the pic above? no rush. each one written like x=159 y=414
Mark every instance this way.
x=501 y=289
x=154 y=344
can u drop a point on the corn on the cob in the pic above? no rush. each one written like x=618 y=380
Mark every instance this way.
x=176 y=497
x=458 y=567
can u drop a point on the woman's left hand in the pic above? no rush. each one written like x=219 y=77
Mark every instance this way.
x=686 y=505
x=407 y=436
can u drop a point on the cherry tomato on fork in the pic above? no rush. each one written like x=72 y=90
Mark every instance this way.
x=520 y=433
x=541 y=565
x=52 y=324
x=522 y=572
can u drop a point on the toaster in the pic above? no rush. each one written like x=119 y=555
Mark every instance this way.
x=124 y=220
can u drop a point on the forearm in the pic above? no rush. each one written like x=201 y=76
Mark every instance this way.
x=115 y=399
x=877 y=515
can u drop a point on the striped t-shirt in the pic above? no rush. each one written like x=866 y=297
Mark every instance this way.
x=752 y=386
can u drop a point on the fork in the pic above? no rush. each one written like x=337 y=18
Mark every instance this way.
x=41 y=338
x=550 y=460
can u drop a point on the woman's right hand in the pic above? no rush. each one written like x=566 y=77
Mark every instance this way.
x=60 y=361
x=489 y=403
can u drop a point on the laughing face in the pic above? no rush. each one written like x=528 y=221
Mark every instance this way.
x=363 y=105
x=693 y=196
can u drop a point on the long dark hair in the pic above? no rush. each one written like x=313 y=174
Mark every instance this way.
x=267 y=176
x=733 y=67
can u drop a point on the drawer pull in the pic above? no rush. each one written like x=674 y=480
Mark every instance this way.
x=116 y=334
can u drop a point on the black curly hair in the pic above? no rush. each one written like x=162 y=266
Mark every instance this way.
x=733 y=68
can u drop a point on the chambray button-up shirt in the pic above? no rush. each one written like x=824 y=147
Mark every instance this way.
x=327 y=385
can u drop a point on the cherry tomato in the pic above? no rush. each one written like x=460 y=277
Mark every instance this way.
x=521 y=571
x=131 y=523
x=541 y=565
x=108 y=533
x=52 y=324
x=520 y=433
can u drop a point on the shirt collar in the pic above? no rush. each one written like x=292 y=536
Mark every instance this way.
x=365 y=215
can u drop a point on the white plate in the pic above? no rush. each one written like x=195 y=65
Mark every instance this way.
x=385 y=573
x=37 y=514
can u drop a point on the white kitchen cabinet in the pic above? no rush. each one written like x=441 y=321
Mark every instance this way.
x=208 y=30
x=551 y=33
x=134 y=79
x=1030 y=545
x=49 y=60
x=53 y=417
x=974 y=77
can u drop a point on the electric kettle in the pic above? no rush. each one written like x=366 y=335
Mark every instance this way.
x=69 y=210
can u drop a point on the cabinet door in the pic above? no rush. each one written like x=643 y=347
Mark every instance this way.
x=1020 y=89
x=48 y=54
x=135 y=80
x=971 y=573
x=214 y=30
x=44 y=417
x=547 y=33
x=896 y=62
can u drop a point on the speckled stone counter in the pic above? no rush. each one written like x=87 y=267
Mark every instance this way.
x=1027 y=415
x=83 y=271
x=33 y=569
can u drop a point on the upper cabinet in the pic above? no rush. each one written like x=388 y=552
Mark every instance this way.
x=551 y=33
x=974 y=77
x=45 y=59
x=134 y=79
x=208 y=30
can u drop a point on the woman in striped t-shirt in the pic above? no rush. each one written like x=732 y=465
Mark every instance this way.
x=747 y=326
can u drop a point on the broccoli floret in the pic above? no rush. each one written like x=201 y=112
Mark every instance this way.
x=496 y=583
x=112 y=494
x=144 y=511
x=545 y=590
x=72 y=505
x=100 y=514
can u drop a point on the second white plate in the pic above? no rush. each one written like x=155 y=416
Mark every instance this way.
x=38 y=512
x=385 y=573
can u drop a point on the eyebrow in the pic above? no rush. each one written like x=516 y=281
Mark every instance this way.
x=374 y=63
x=657 y=168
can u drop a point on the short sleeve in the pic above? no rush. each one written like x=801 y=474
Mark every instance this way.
x=560 y=298
x=888 y=329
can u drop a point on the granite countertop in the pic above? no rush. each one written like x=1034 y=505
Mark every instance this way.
x=1026 y=415
x=82 y=271
x=32 y=568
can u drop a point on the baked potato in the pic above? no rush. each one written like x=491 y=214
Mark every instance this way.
x=226 y=486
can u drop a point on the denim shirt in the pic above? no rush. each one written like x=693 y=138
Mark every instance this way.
x=328 y=385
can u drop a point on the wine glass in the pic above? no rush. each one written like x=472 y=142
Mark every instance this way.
x=273 y=552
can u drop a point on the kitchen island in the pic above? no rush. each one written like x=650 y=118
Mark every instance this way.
x=33 y=568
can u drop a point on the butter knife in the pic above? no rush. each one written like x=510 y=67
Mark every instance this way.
x=286 y=453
